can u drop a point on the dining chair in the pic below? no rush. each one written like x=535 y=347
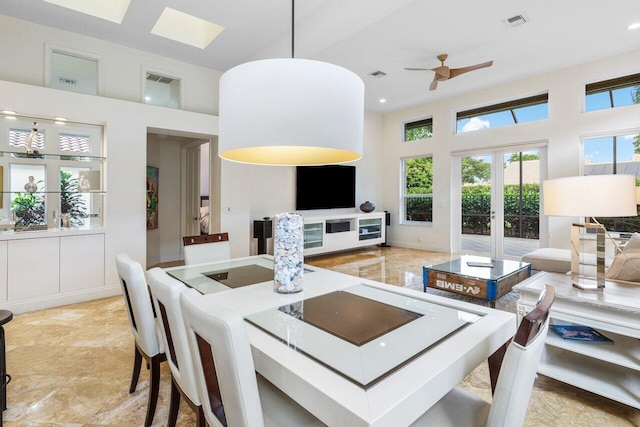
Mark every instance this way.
x=515 y=381
x=166 y=298
x=143 y=326
x=232 y=393
x=206 y=248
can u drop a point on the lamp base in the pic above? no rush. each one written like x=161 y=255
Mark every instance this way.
x=586 y=283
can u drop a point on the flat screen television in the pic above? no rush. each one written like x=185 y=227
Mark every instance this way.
x=325 y=187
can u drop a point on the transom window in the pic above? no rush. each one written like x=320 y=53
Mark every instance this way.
x=162 y=90
x=617 y=154
x=613 y=93
x=419 y=129
x=504 y=114
x=417 y=194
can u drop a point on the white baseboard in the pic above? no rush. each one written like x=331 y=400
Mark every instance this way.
x=58 y=300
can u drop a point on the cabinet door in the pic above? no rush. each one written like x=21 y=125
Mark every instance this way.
x=33 y=268
x=81 y=262
x=3 y=271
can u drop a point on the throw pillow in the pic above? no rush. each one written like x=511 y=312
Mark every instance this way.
x=626 y=265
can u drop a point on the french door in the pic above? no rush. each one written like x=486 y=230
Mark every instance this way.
x=497 y=199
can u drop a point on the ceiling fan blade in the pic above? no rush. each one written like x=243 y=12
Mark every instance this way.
x=418 y=69
x=457 y=71
x=442 y=73
x=434 y=83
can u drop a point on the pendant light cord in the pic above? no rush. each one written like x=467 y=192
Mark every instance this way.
x=293 y=13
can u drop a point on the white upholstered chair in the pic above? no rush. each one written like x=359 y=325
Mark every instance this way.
x=515 y=382
x=143 y=326
x=232 y=393
x=206 y=248
x=166 y=297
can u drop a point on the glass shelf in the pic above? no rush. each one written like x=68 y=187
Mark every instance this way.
x=50 y=156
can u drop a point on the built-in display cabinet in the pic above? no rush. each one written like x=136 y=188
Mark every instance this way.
x=331 y=233
x=52 y=200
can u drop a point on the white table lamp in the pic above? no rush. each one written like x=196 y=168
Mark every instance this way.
x=590 y=196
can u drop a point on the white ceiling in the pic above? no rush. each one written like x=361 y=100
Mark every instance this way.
x=369 y=35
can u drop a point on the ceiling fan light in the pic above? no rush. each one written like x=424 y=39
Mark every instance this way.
x=291 y=111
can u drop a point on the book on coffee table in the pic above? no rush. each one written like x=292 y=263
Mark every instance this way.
x=580 y=333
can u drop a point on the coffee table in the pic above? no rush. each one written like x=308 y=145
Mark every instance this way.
x=476 y=276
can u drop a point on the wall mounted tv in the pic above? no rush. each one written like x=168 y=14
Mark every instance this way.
x=325 y=187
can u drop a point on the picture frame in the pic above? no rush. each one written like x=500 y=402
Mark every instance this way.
x=152 y=197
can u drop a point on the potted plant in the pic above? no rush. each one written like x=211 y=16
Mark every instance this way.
x=29 y=210
x=72 y=206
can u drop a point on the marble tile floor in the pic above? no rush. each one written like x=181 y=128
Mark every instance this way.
x=71 y=365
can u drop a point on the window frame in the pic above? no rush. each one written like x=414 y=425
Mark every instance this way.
x=609 y=85
x=50 y=49
x=423 y=121
x=510 y=106
x=404 y=196
x=162 y=73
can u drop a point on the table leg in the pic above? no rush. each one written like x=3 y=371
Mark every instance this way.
x=495 y=362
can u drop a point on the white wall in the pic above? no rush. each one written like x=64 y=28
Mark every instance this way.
x=23 y=49
x=252 y=192
x=164 y=243
x=563 y=131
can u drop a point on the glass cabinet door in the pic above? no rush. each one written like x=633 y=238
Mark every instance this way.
x=313 y=235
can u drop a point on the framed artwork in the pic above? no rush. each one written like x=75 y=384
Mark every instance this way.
x=152 y=197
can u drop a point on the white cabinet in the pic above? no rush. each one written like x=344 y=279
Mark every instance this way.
x=610 y=370
x=33 y=268
x=81 y=262
x=332 y=233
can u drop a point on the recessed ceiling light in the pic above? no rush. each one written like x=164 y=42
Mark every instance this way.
x=382 y=100
x=634 y=26
x=11 y=117
x=60 y=119
x=185 y=28
x=11 y=113
x=60 y=122
x=111 y=10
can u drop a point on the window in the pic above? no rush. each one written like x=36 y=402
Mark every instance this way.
x=613 y=93
x=417 y=184
x=74 y=73
x=162 y=90
x=419 y=129
x=618 y=154
x=504 y=114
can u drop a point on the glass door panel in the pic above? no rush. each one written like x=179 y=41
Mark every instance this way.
x=476 y=204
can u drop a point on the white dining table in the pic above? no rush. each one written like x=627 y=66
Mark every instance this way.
x=389 y=380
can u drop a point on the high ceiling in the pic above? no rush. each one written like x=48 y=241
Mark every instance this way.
x=369 y=35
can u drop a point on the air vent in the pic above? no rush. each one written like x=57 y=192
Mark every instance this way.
x=515 y=21
x=378 y=74
x=159 y=78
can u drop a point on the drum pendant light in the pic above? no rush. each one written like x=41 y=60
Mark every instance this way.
x=289 y=111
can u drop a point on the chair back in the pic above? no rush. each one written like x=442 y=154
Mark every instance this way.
x=166 y=297
x=206 y=248
x=225 y=373
x=138 y=302
x=520 y=364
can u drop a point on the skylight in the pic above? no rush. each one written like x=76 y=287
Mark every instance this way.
x=185 y=28
x=110 y=10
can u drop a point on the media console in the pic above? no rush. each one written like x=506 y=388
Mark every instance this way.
x=332 y=233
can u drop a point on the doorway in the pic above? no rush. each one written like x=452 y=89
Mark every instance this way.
x=497 y=211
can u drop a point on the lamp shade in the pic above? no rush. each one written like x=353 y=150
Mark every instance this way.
x=290 y=111
x=592 y=196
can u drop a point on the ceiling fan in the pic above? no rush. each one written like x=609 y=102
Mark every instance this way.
x=445 y=73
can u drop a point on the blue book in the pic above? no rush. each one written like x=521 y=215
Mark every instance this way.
x=580 y=333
